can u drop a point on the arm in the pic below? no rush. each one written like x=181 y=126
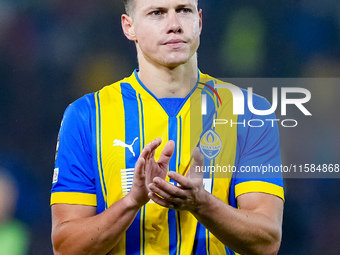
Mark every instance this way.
x=255 y=228
x=77 y=229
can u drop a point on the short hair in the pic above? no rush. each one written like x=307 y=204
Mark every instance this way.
x=129 y=6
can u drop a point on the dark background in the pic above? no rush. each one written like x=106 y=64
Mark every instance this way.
x=52 y=52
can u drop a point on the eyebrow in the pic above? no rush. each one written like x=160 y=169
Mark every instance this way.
x=159 y=7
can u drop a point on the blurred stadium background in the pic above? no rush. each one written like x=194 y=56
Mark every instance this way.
x=52 y=52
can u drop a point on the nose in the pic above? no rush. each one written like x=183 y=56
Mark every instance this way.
x=174 y=25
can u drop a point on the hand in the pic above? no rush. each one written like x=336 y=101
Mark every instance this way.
x=188 y=195
x=147 y=168
x=160 y=168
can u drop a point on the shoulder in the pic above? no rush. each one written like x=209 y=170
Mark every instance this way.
x=82 y=108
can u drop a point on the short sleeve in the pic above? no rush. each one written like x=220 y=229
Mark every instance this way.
x=73 y=177
x=259 y=156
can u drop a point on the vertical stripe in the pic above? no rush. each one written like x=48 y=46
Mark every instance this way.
x=179 y=233
x=204 y=104
x=200 y=247
x=178 y=157
x=173 y=238
x=179 y=142
x=142 y=145
x=207 y=121
x=132 y=132
x=202 y=234
x=156 y=123
x=143 y=231
x=173 y=136
x=208 y=241
x=99 y=148
x=141 y=119
x=172 y=232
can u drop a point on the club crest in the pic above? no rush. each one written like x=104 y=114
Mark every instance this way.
x=210 y=144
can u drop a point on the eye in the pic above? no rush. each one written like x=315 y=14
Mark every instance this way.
x=156 y=13
x=184 y=10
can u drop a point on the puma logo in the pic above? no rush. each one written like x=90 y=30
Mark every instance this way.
x=120 y=143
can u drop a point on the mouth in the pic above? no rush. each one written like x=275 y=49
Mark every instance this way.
x=175 y=43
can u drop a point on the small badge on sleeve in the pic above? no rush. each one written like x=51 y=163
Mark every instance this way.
x=55 y=175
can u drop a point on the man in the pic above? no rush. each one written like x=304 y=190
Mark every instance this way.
x=113 y=192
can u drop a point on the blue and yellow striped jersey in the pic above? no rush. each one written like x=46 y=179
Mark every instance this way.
x=103 y=133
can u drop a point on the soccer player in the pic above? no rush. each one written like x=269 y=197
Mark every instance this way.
x=126 y=178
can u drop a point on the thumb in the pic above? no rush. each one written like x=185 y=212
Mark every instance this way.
x=167 y=153
x=196 y=170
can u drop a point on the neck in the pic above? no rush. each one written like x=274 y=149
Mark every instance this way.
x=166 y=82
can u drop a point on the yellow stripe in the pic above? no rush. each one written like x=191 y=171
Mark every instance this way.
x=156 y=221
x=98 y=147
x=216 y=247
x=156 y=229
x=259 y=186
x=155 y=127
x=112 y=127
x=178 y=144
x=188 y=230
x=228 y=135
x=207 y=241
x=73 y=198
x=113 y=157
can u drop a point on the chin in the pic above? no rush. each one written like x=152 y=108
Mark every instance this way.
x=176 y=61
x=174 y=64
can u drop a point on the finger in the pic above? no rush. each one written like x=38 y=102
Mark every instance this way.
x=153 y=146
x=196 y=170
x=150 y=148
x=153 y=196
x=169 y=188
x=166 y=196
x=167 y=152
x=139 y=172
x=145 y=152
x=180 y=179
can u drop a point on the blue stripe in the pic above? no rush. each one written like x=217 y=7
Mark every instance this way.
x=232 y=197
x=100 y=195
x=173 y=136
x=180 y=141
x=100 y=150
x=172 y=232
x=200 y=240
x=172 y=133
x=228 y=251
x=131 y=132
x=142 y=112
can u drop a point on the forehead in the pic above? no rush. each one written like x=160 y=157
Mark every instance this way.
x=144 y=4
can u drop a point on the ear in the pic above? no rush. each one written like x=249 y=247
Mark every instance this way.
x=127 y=25
x=200 y=17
